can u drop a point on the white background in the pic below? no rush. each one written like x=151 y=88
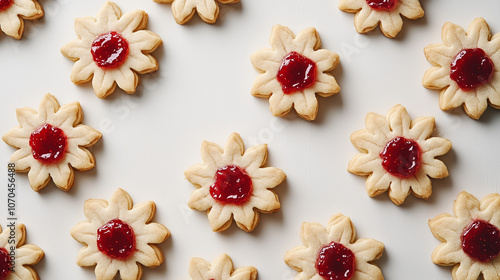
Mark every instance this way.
x=202 y=91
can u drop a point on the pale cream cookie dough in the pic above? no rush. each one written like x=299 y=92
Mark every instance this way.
x=119 y=237
x=334 y=252
x=369 y=13
x=51 y=142
x=221 y=268
x=293 y=71
x=184 y=10
x=112 y=50
x=398 y=155
x=470 y=238
x=232 y=183
x=466 y=68
x=14 y=12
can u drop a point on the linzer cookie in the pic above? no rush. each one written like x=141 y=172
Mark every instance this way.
x=465 y=68
x=470 y=238
x=112 y=50
x=51 y=142
x=398 y=155
x=369 y=13
x=14 y=12
x=293 y=71
x=184 y=10
x=333 y=253
x=119 y=237
x=232 y=183
x=221 y=268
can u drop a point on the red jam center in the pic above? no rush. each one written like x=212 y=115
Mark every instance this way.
x=481 y=241
x=296 y=73
x=4 y=4
x=381 y=4
x=232 y=185
x=335 y=262
x=471 y=68
x=116 y=239
x=4 y=264
x=109 y=50
x=401 y=157
x=48 y=144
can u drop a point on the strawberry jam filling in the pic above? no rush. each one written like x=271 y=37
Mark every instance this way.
x=471 y=68
x=481 y=241
x=4 y=5
x=109 y=50
x=296 y=73
x=335 y=262
x=386 y=5
x=401 y=157
x=232 y=185
x=48 y=144
x=116 y=239
x=4 y=264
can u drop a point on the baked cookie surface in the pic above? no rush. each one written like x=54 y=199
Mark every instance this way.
x=220 y=268
x=184 y=10
x=14 y=12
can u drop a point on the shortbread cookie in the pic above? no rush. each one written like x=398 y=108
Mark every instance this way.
x=465 y=68
x=51 y=143
x=221 y=268
x=388 y=12
x=14 y=12
x=398 y=154
x=470 y=238
x=26 y=255
x=333 y=253
x=293 y=71
x=208 y=10
x=119 y=237
x=112 y=49
x=232 y=182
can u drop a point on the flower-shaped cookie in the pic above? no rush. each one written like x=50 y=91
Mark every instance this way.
x=112 y=49
x=14 y=12
x=51 y=143
x=208 y=10
x=470 y=238
x=398 y=155
x=25 y=255
x=221 y=268
x=293 y=71
x=388 y=12
x=466 y=68
x=334 y=252
x=118 y=237
x=232 y=182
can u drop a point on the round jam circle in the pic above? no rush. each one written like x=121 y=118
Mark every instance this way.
x=4 y=5
x=232 y=185
x=48 y=144
x=109 y=50
x=296 y=73
x=116 y=239
x=481 y=241
x=386 y=5
x=4 y=264
x=335 y=262
x=401 y=157
x=471 y=68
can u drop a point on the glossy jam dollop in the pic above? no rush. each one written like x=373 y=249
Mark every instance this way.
x=471 y=68
x=109 y=50
x=4 y=5
x=116 y=239
x=386 y=5
x=296 y=73
x=48 y=144
x=481 y=241
x=401 y=157
x=4 y=264
x=232 y=185
x=335 y=262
